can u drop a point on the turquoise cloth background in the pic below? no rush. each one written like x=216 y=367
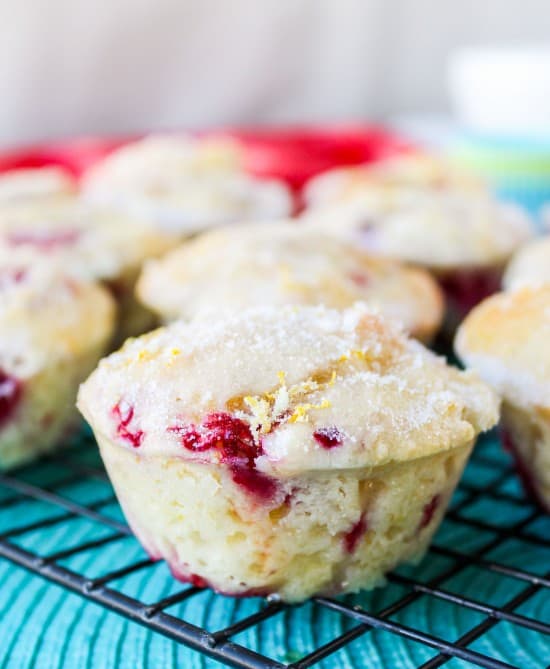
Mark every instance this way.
x=517 y=168
x=43 y=626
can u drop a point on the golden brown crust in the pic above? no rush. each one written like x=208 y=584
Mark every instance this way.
x=285 y=263
x=507 y=339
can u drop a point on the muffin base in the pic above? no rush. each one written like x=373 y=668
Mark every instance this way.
x=45 y=414
x=464 y=289
x=133 y=318
x=526 y=434
x=321 y=532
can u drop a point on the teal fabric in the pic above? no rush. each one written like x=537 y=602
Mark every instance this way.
x=43 y=626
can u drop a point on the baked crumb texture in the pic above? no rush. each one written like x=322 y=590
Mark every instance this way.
x=426 y=212
x=280 y=263
x=506 y=339
x=87 y=242
x=53 y=330
x=284 y=450
x=185 y=184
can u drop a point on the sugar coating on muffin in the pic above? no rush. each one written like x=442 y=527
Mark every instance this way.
x=283 y=263
x=410 y=171
x=185 y=184
x=287 y=450
x=53 y=330
x=91 y=242
x=506 y=339
x=34 y=184
x=531 y=264
x=441 y=230
x=430 y=217
x=87 y=242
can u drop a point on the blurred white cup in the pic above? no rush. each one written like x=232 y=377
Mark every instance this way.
x=502 y=90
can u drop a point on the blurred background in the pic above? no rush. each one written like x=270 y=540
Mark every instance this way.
x=70 y=67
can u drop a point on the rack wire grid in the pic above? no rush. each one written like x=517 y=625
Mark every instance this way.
x=479 y=597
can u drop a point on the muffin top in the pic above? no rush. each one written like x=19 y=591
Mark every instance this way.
x=87 y=241
x=531 y=264
x=184 y=184
x=285 y=263
x=414 y=170
x=46 y=315
x=507 y=339
x=290 y=389
x=441 y=230
x=29 y=184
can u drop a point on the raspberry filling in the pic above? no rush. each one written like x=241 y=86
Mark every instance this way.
x=360 y=279
x=466 y=288
x=124 y=414
x=185 y=576
x=45 y=240
x=354 y=535
x=428 y=511
x=328 y=437
x=524 y=473
x=10 y=394
x=197 y=581
x=232 y=438
x=10 y=276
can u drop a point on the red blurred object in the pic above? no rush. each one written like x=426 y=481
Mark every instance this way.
x=294 y=154
x=299 y=153
x=75 y=155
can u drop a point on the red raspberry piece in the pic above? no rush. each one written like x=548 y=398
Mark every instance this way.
x=124 y=413
x=328 y=437
x=10 y=394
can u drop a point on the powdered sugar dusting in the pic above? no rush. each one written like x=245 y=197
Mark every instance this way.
x=289 y=373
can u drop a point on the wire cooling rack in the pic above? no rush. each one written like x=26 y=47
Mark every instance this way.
x=479 y=598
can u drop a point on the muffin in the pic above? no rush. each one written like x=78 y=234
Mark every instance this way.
x=184 y=184
x=507 y=340
x=419 y=170
x=460 y=234
x=282 y=263
x=285 y=451
x=34 y=184
x=89 y=242
x=53 y=331
x=531 y=264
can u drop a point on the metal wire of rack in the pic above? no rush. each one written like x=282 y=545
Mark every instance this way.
x=488 y=512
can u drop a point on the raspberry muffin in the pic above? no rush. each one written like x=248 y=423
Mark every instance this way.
x=34 y=184
x=184 y=184
x=285 y=451
x=89 y=242
x=531 y=264
x=462 y=235
x=53 y=331
x=418 y=170
x=282 y=263
x=506 y=338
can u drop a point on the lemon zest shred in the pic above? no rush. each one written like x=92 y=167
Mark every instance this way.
x=261 y=411
x=300 y=414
